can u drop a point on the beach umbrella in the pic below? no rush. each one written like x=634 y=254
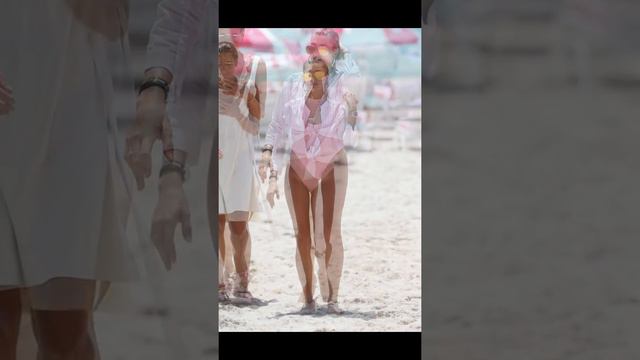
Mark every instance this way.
x=257 y=39
x=401 y=36
x=282 y=55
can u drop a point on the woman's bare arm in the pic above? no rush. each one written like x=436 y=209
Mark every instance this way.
x=256 y=104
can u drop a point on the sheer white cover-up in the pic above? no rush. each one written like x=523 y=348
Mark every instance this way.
x=316 y=152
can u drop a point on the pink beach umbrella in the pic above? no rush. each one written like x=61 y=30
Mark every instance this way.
x=397 y=36
x=281 y=55
x=257 y=39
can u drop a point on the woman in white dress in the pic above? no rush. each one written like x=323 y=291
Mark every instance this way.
x=315 y=110
x=62 y=204
x=242 y=84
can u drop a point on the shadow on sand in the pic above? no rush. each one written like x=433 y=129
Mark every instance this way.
x=253 y=303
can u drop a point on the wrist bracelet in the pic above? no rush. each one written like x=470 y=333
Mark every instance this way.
x=157 y=82
x=173 y=167
x=267 y=147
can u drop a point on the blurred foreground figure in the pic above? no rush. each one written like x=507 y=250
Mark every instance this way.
x=63 y=203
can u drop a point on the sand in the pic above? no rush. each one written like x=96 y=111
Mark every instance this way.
x=381 y=284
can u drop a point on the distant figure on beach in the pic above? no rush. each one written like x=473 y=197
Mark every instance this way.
x=314 y=110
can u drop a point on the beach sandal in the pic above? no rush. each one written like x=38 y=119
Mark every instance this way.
x=308 y=308
x=333 y=308
x=240 y=289
x=223 y=295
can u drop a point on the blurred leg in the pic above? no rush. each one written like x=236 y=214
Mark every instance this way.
x=10 y=314
x=62 y=318
x=221 y=249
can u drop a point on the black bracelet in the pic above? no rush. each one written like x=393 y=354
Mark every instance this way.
x=173 y=167
x=157 y=82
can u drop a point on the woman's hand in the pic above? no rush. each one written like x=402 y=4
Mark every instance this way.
x=7 y=100
x=172 y=208
x=351 y=99
x=230 y=86
x=151 y=124
x=352 y=105
x=265 y=163
x=253 y=103
x=273 y=191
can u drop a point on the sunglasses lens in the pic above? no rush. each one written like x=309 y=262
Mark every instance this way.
x=311 y=49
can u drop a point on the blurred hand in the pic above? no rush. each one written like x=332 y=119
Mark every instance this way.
x=172 y=208
x=151 y=124
x=7 y=101
x=262 y=171
x=219 y=154
x=273 y=191
x=265 y=163
x=231 y=107
x=229 y=86
x=352 y=105
x=351 y=99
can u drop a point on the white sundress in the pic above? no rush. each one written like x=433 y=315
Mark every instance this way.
x=238 y=181
x=63 y=204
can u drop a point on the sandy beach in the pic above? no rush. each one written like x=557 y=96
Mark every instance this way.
x=381 y=284
x=530 y=185
x=531 y=228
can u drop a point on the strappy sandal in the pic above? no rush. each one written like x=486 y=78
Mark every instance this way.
x=240 y=289
x=308 y=308
x=333 y=308
x=223 y=295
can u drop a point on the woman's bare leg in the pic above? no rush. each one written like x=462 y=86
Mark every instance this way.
x=212 y=186
x=328 y=186
x=63 y=334
x=221 y=248
x=221 y=243
x=10 y=314
x=67 y=334
x=240 y=239
x=300 y=203
x=334 y=189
